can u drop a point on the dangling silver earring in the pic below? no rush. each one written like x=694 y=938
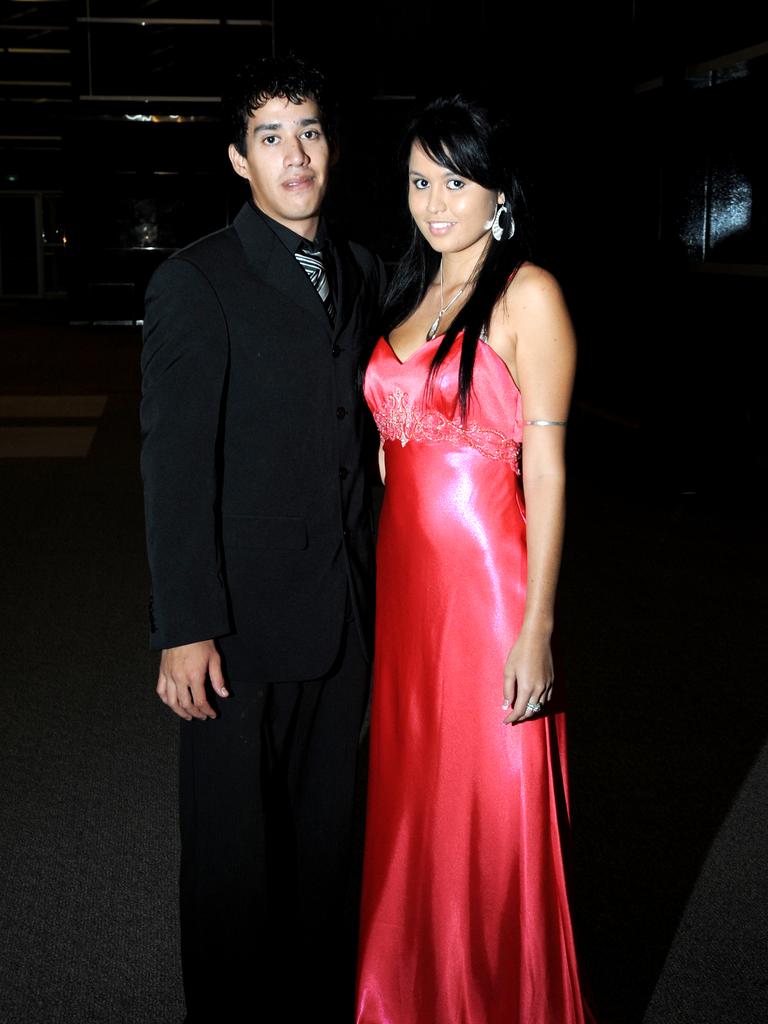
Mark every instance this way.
x=497 y=230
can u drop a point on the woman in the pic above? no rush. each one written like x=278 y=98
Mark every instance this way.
x=465 y=916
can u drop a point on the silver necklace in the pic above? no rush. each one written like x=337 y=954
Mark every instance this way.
x=444 y=308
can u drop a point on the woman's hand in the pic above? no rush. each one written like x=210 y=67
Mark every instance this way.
x=528 y=675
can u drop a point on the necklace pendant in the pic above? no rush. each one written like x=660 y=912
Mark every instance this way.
x=435 y=324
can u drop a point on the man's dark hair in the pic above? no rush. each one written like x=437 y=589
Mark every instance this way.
x=289 y=77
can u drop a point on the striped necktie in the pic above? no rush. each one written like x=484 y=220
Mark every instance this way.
x=312 y=261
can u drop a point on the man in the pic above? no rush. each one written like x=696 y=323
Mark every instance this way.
x=259 y=541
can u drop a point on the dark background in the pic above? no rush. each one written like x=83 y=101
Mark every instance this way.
x=640 y=133
x=638 y=138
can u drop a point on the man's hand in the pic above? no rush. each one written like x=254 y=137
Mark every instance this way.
x=181 y=681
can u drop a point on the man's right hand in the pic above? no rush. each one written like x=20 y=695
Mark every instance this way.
x=181 y=681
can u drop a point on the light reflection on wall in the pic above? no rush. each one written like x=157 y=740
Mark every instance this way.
x=730 y=204
x=718 y=207
x=693 y=217
x=719 y=171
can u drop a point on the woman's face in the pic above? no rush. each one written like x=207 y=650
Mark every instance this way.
x=452 y=212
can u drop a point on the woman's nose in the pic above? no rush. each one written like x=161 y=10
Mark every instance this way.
x=435 y=200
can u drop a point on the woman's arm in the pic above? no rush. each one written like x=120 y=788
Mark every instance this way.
x=541 y=341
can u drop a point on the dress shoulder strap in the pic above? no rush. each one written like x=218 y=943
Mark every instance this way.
x=513 y=275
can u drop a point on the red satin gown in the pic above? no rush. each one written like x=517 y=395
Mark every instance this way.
x=464 y=916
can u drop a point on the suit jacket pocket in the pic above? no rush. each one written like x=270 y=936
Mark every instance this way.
x=285 y=533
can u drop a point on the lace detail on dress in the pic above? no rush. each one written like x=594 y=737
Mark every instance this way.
x=399 y=421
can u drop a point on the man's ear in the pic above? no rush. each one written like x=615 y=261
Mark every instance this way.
x=238 y=161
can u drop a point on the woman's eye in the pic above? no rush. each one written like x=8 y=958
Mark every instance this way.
x=311 y=133
x=455 y=184
x=420 y=183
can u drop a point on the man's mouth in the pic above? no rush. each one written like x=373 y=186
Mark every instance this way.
x=300 y=183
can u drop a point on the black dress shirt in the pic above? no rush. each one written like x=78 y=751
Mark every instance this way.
x=293 y=242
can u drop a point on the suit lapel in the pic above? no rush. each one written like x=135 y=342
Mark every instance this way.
x=271 y=262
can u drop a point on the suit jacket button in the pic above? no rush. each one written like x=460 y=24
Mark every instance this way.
x=346 y=533
x=341 y=412
x=335 y=350
x=343 y=472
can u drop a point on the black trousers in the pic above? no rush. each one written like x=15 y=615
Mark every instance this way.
x=270 y=849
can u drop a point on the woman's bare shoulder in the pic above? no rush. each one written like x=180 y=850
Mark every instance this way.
x=533 y=285
x=534 y=309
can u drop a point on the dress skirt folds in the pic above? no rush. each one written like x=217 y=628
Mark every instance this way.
x=465 y=916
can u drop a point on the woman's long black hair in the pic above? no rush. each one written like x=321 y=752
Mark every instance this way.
x=458 y=134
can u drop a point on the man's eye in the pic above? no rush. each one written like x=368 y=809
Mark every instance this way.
x=455 y=184
x=271 y=140
x=311 y=133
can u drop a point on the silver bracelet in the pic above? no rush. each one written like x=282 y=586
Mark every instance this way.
x=545 y=423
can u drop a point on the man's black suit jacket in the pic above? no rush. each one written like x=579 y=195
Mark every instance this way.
x=257 y=508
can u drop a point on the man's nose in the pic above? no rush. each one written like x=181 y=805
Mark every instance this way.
x=295 y=154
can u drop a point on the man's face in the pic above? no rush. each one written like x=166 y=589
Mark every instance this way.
x=286 y=162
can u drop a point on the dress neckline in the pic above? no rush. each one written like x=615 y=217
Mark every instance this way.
x=437 y=337
x=495 y=357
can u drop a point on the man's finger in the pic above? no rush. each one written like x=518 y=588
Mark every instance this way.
x=198 y=701
x=192 y=707
x=184 y=701
x=217 y=676
x=172 y=699
x=203 y=708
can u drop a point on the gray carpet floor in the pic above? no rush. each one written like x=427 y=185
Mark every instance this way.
x=663 y=643
x=87 y=843
x=716 y=970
